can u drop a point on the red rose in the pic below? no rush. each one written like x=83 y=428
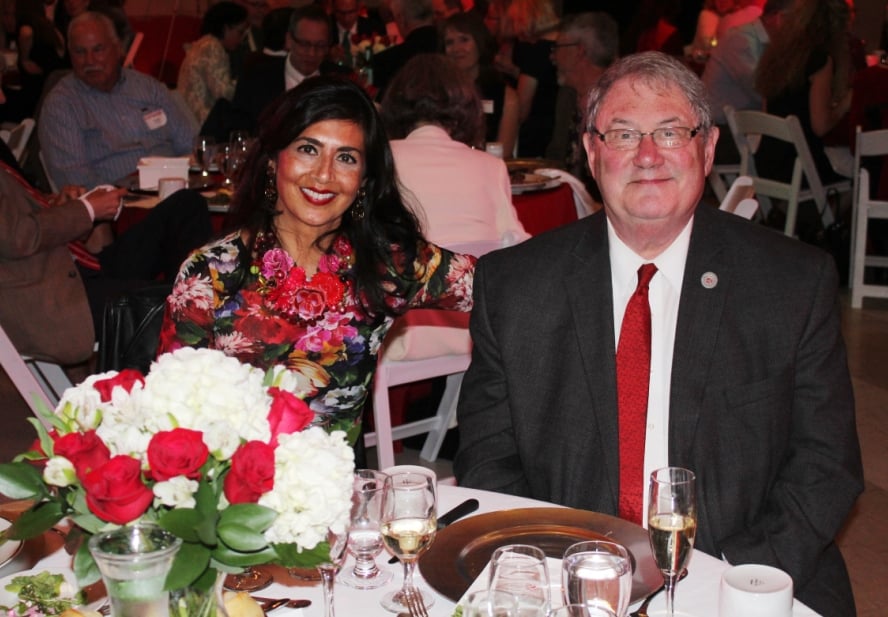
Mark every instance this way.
x=251 y=474
x=85 y=451
x=125 y=379
x=288 y=414
x=179 y=452
x=115 y=491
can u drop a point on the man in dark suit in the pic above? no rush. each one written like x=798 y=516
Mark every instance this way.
x=747 y=382
x=308 y=41
x=415 y=21
x=347 y=19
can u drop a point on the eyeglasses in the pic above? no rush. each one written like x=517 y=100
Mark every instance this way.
x=665 y=137
x=557 y=45
x=304 y=45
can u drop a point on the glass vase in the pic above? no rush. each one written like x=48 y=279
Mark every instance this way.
x=198 y=602
x=134 y=561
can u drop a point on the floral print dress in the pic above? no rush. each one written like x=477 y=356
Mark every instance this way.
x=265 y=312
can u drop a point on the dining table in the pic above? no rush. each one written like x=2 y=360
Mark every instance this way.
x=696 y=596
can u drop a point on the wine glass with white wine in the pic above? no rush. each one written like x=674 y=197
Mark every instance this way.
x=672 y=524
x=409 y=523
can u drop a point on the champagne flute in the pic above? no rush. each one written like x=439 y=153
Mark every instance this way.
x=672 y=524
x=203 y=144
x=409 y=524
x=338 y=540
x=364 y=536
x=598 y=574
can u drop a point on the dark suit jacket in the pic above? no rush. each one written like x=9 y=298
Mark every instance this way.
x=385 y=64
x=44 y=309
x=761 y=405
x=367 y=26
x=257 y=88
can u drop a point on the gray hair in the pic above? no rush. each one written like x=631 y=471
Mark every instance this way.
x=416 y=11
x=655 y=70
x=96 y=17
x=598 y=33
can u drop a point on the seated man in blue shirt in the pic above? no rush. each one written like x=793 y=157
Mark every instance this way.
x=98 y=121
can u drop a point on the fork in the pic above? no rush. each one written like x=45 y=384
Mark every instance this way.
x=414 y=602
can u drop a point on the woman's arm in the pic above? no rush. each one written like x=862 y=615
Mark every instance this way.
x=527 y=87
x=826 y=111
x=26 y=44
x=507 y=134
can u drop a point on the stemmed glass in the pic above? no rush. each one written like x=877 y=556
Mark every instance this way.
x=364 y=536
x=598 y=574
x=672 y=524
x=409 y=524
x=338 y=540
x=203 y=145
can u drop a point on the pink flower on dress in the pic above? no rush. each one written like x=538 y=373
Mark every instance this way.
x=276 y=265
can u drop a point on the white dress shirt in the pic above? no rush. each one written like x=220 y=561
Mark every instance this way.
x=292 y=77
x=664 y=295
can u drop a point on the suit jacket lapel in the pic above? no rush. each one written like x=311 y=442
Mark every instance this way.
x=699 y=317
x=590 y=294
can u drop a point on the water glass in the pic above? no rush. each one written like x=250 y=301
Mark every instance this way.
x=521 y=569
x=598 y=574
x=364 y=536
x=487 y=603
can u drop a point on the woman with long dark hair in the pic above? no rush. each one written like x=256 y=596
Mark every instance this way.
x=323 y=254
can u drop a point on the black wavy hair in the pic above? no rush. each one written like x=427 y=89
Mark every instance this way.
x=387 y=221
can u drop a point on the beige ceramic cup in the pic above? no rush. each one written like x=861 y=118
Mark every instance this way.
x=755 y=590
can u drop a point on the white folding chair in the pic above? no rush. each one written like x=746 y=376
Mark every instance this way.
x=747 y=126
x=36 y=380
x=869 y=144
x=391 y=373
x=742 y=188
x=17 y=138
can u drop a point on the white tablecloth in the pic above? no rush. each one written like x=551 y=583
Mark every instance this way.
x=696 y=596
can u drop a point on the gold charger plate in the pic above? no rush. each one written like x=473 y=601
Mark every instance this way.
x=461 y=550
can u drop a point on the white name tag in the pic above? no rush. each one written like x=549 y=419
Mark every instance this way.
x=155 y=119
x=487 y=104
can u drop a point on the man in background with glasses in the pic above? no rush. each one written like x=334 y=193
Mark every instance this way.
x=308 y=41
x=664 y=332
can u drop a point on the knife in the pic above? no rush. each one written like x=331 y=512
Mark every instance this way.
x=466 y=507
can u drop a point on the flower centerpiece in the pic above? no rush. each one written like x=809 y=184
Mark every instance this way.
x=219 y=453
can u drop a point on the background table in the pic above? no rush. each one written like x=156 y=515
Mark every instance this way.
x=540 y=211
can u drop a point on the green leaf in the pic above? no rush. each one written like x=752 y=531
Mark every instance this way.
x=22 y=481
x=250 y=515
x=189 y=565
x=289 y=555
x=230 y=557
x=35 y=521
x=184 y=523
x=46 y=443
x=85 y=568
x=205 y=499
x=241 y=537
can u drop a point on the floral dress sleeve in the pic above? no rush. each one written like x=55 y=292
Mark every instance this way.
x=443 y=279
x=190 y=318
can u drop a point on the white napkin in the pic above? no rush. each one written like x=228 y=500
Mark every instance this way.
x=584 y=203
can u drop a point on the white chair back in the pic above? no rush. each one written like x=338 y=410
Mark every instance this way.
x=452 y=363
x=17 y=138
x=865 y=208
x=747 y=127
x=37 y=381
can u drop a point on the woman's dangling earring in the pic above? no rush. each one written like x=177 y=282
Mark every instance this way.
x=271 y=194
x=357 y=209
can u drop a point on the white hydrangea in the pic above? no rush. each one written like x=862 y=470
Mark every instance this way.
x=81 y=407
x=201 y=388
x=312 y=487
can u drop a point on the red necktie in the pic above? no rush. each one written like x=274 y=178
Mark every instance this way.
x=633 y=378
